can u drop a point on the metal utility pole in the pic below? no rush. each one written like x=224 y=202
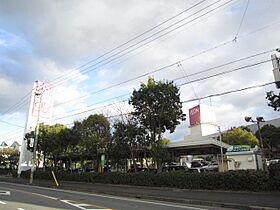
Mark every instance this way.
x=276 y=69
x=258 y=120
x=222 y=152
x=39 y=93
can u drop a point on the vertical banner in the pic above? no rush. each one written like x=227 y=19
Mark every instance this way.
x=194 y=115
x=40 y=111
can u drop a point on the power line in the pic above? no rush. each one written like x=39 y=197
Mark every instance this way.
x=17 y=104
x=8 y=123
x=169 y=66
x=225 y=72
x=229 y=92
x=212 y=95
x=191 y=81
x=90 y=110
x=242 y=19
x=100 y=102
x=117 y=56
x=136 y=37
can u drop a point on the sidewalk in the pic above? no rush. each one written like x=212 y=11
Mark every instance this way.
x=234 y=200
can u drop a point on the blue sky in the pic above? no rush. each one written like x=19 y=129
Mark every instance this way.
x=48 y=39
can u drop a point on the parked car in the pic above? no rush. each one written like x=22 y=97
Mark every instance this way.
x=174 y=168
x=210 y=166
x=138 y=169
x=196 y=166
x=271 y=162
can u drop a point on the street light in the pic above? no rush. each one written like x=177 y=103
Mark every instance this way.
x=258 y=120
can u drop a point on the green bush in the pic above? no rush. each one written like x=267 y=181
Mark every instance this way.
x=243 y=180
x=7 y=171
x=274 y=174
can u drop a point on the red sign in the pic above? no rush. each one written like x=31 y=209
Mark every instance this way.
x=194 y=115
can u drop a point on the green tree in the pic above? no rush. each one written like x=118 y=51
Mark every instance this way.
x=160 y=152
x=240 y=136
x=128 y=139
x=50 y=141
x=271 y=139
x=95 y=136
x=9 y=157
x=157 y=107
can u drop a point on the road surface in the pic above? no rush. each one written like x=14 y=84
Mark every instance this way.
x=24 y=197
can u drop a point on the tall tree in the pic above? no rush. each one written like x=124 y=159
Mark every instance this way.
x=271 y=139
x=128 y=138
x=95 y=136
x=239 y=136
x=9 y=157
x=157 y=106
x=160 y=152
x=51 y=142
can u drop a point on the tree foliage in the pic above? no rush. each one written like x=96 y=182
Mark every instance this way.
x=240 y=136
x=160 y=152
x=157 y=106
x=95 y=135
x=9 y=157
x=128 y=138
x=271 y=139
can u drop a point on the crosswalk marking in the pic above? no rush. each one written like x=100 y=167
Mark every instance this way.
x=1 y=202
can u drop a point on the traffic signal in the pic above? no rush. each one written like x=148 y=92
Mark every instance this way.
x=29 y=138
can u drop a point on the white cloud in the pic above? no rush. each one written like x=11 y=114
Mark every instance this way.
x=52 y=39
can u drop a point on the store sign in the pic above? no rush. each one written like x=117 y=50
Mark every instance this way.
x=194 y=115
x=239 y=148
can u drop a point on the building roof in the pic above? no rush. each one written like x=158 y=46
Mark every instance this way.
x=3 y=144
x=15 y=144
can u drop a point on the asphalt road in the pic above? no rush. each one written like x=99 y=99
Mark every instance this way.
x=24 y=197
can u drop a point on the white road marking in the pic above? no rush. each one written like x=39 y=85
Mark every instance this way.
x=5 y=193
x=107 y=196
x=45 y=196
x=80 y=205
x=1 y=202
x=84 y=204
x=20 y=209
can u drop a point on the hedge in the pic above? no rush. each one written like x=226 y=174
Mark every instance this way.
x=7 y=171
x=242 y=180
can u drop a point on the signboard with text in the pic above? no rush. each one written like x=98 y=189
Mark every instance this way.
x=194 y=115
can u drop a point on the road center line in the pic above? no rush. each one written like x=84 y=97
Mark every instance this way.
x=108 y=196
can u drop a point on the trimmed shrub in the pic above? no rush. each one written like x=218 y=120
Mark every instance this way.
x=243 y=180
x=7 y=171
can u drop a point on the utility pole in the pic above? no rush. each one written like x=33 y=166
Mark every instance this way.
x=276 y=69
x=222 y=152
x=258 y=120
x=39 y=94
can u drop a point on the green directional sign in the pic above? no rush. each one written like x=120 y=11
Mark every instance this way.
x=239 y=148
